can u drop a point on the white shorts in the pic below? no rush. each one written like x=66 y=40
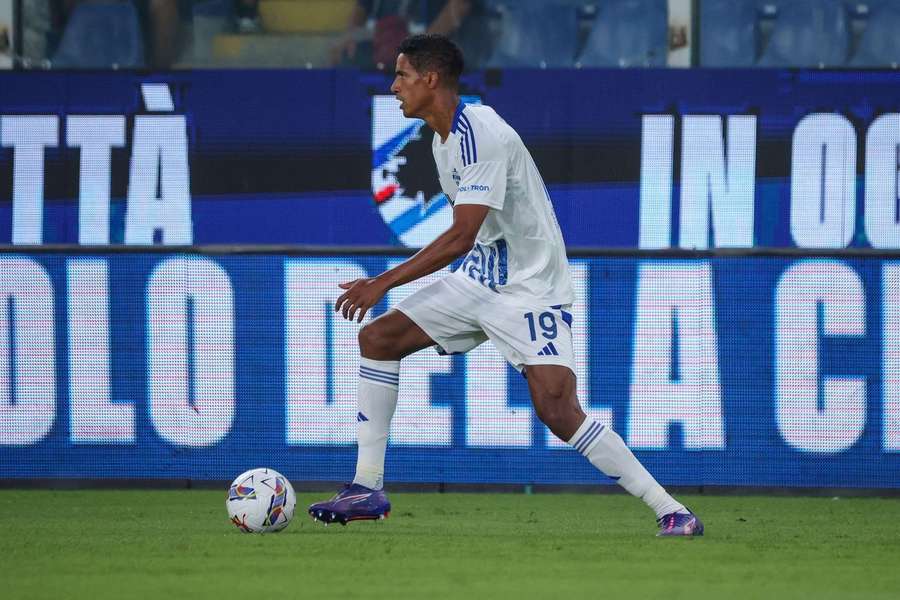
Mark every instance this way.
x=459 y=314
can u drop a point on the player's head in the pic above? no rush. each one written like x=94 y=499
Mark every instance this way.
x=427 y=65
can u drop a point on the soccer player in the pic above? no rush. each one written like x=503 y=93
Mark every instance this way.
x=512 y=288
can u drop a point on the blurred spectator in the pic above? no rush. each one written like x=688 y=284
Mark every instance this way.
x=246 y=16
x=160 y=20
x=39 y=35
x=4 y=39
x=377 y=27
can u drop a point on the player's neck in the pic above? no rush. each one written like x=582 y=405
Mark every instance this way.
x=440 y=117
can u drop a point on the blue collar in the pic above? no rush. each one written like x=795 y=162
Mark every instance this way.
x=456 y=115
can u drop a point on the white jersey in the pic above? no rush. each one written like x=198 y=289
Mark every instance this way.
x=519 y=250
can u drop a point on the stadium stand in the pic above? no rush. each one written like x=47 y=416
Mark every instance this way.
x=805 y=33
x=294 y=32
x=627 y=33
x=496 y=33
x=729 y=33
x=879 y=42
x=525 y=40
x=101 y=35
x=304 y=16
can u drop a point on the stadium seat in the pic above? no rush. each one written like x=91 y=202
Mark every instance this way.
x=807 y=33
x=879 y=45
x=305 y=16
x=272 y=51
x=295 y=33
x=212 y=8
x=101 y=35
x=210 y=18
x=728 y=33
x=534 y=33
x=628 y=33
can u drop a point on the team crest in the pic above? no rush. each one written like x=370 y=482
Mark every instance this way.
x=404 y=180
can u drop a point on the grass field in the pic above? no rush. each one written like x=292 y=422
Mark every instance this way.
x=179 y=544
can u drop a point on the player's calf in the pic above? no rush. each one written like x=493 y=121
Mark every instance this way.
x=552 y=389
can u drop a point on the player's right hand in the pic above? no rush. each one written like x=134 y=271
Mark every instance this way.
x=361 y=295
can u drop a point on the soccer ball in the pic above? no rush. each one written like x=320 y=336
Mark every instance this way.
x=261 y=501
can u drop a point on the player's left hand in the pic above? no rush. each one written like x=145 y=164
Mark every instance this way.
x=361 y=295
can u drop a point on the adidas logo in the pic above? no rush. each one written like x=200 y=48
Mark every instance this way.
x=548 y=350
x=361 y=417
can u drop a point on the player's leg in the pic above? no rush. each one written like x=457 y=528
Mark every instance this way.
x=434 y=314
x=382 y=343
x=552 y=390
x=538 y=340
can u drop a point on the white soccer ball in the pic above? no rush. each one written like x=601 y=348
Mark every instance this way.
x=261 y=501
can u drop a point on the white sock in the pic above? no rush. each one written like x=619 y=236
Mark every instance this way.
x=607 y=451
x=379 y=381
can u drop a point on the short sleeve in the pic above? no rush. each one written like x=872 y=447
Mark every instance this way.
x=484 y=158
x=484 y=183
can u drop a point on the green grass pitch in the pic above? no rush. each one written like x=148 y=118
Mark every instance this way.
x=180 y=544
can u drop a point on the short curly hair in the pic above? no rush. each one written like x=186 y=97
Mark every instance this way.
x=433 y=52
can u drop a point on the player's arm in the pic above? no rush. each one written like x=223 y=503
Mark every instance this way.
x=363 y=294
x=448 y=246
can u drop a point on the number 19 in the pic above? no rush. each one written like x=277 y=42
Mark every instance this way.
x=547 y=323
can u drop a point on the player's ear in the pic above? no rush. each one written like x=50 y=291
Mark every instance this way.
x=432 y=79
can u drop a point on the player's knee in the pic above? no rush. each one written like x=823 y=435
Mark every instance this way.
x=370 y=341
x=373 y=343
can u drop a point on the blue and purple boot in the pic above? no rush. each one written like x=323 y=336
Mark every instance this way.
x=679 y=524
x=353 y=503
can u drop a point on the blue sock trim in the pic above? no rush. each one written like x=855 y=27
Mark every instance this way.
x=583 y=442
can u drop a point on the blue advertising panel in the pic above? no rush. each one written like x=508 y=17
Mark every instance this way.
x=751 y=371
x=631 y=157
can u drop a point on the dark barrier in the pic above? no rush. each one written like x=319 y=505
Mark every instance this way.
x=632 y=158
x=763 y=370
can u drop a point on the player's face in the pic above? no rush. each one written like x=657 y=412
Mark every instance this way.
x=410 y=87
